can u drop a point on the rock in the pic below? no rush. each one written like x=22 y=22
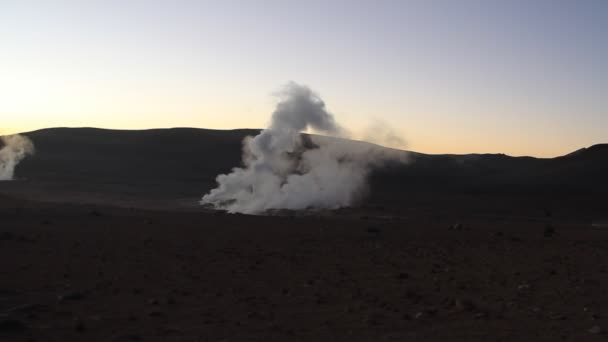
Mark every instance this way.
x=373 y=230
x=73 y=295
x=156 y=314
x=171 y=331
x=375 y=319
x=94 y=212
x=465 y=305
x=481 y=315
x=558 y=317
x=12 y=326
x=403 y=275
x=456 y=226
x=79 y=326
x=595 y=330
x=127 y=337
x=7 y=236
x=549 y=231
x=419 y=315
x=27 y=308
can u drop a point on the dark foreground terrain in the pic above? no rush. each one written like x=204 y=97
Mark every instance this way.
x=102 y=239
x=458 y=269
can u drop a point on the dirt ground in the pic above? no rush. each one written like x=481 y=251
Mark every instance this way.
x=434 y=268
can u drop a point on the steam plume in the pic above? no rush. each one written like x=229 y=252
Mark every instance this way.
x=13 y=148
x=285 y=170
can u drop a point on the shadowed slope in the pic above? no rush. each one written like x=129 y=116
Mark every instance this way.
x=157 y=155
x=184 y=162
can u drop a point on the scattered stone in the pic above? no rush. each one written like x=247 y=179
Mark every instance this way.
x=23 y=238
x=464 y=304
x=375 y=319
x=74 y=295
x=7 y=236
x=403 y=275
x=127 y=337
x=12 y=326
x=156 y=314
x=558 y=317
x=26 y=308
x=456 y=226
x=523 y=287
x=79 y=326
x=481 y=315
x=94 y=212
x=549 y=231
x=171 y=331
x=373 y=230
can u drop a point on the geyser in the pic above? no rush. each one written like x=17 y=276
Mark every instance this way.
x=284 y=171
x=13 y=148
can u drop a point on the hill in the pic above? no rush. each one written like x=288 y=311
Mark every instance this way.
x=183 y=163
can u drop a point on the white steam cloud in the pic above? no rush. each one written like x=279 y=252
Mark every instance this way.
x=286 y=170
x=13 y=148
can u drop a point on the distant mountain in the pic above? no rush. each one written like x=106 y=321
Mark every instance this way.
x=191 y=158
x=584 y=171
x=91 y=154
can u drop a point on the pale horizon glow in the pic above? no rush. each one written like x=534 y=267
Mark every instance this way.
x=515 y=77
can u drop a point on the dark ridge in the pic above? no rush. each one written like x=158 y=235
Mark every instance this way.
x=188 y=160
x=139 y=155
x=588 y=152
x=582 y=172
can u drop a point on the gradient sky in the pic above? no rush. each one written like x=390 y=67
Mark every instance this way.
x=519 y=77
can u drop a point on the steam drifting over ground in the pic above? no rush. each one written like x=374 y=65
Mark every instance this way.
x=13 y=148
x=285 y=170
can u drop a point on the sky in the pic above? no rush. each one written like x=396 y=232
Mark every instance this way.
x=515 y=76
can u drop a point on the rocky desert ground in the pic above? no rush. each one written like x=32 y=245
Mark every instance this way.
x=89 y=254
